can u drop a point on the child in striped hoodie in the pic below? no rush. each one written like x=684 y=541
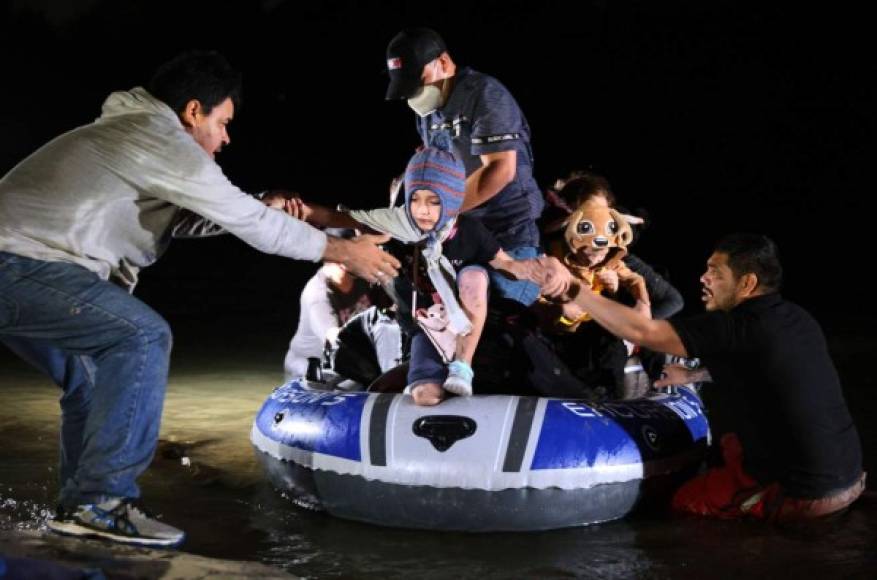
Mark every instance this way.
x=453 y=250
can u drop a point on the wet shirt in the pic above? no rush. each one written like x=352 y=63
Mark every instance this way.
x=771 y=359
x=483 y=117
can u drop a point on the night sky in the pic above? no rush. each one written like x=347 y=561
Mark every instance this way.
x=710 y=116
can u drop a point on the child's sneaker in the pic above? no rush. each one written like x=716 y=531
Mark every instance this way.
x=117 y=520
x=459 y=379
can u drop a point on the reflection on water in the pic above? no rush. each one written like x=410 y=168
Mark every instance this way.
x=205 y=479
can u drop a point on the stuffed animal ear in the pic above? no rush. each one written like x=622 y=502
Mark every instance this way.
x=625 y=233
x=634 y=220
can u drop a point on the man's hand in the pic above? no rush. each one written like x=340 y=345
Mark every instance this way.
x=277 y=197
x=298 y=209
x=675 y=375
x=288 y=202
x=362 y=257
x=556 y=277
x=635 y=284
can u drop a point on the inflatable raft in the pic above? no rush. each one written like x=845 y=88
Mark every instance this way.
x=485 y=463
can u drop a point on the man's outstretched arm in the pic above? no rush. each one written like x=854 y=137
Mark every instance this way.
x=361 y=256
x=312 y=213
x=627 y=323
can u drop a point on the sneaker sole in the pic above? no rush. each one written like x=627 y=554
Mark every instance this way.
x=78 y=530
x=461 y=390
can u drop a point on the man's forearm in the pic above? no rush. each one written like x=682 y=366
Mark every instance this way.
x=627 y=323
x=330 y=218
x=518 y=269
x=488 y=180
x=618 y=319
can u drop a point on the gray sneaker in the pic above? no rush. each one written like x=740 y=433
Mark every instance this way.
x=459 y=379
x=117 y=520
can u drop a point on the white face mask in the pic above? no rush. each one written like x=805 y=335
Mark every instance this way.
x=426 y=100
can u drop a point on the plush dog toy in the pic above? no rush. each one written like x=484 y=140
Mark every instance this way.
x=435 y=324
x=594 y=227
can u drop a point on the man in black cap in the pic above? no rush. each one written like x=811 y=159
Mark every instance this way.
x=490 y=135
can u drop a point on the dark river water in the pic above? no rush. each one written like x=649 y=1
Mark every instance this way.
x=219 y=496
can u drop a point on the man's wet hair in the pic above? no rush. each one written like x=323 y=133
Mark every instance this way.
x=205 y=76
x=756 y=254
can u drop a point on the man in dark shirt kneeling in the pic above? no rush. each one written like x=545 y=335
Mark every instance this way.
x=795 y=452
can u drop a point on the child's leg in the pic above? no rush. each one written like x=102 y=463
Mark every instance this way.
x=472 y=284
x=426 y=371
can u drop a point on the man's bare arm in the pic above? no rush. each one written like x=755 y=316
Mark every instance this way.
x=361 y=256
x=551 y=276
x=315 y=214
x=497 y=170
x=325 y=216
x=627 y=323
x=518 y=269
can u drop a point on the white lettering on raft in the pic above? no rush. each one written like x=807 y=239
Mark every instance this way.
x=684 y=409
x=667 y=410
x=300 y=398
x=579 y=409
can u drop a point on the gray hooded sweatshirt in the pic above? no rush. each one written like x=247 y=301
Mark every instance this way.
x=107 y=195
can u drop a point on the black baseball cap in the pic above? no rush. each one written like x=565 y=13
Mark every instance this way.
x=407 y=54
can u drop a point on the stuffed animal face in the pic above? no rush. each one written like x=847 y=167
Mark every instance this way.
x=597 y=234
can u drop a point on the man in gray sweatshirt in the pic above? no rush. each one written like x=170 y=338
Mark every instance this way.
x=78 y=219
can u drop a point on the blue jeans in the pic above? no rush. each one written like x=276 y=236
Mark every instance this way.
x=522 y=291
x=426 y=364
x=108 y=352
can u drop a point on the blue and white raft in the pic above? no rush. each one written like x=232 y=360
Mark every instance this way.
x=485 y=463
